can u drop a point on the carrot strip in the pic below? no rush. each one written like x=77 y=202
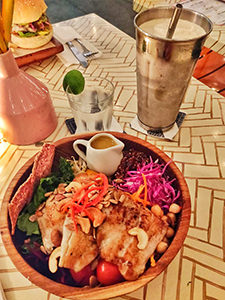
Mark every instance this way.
x=85 y=197
x=95 y=201
x=78 y=203
x=91 y=172
x=137 y=195
x=146 y=190
x=69 y=204
x=77 y=193
x=152 y=261
x=7 y=15
x=87 y=192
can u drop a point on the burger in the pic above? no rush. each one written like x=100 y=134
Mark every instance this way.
x=31 y=27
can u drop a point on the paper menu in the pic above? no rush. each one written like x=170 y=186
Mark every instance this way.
x=213 y=9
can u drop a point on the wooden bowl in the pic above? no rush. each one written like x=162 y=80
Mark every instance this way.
x=64 y=148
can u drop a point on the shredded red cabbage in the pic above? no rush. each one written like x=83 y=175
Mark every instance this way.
x=159 y=186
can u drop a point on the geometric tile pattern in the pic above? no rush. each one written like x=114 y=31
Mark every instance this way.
x=198 y=271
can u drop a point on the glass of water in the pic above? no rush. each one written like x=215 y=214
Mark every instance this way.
x=93 y=108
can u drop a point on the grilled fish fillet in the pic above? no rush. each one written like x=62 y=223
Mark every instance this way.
x=50 y=220
x=49 y=216
x=78 y=249
x=117 y=246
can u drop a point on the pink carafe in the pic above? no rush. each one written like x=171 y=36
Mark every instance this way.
x=26 y=111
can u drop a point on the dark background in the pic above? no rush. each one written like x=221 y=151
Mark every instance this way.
x=118 y=12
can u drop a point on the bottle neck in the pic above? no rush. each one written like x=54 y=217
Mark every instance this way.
x=8 y=65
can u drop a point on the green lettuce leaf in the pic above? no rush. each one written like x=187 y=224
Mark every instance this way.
x=66 y=174
x=24 y=224
x=26 y=34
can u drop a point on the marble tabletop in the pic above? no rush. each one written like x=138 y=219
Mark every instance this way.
x=198 y=270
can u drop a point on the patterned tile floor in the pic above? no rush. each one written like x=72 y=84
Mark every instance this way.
x=198 y=271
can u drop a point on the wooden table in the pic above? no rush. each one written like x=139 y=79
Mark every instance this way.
x=198 y=271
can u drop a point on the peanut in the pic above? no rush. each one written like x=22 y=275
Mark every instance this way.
x=157 y=210
x=170 y=232
x=174 y=208
x=171 y=218
x=161 y=247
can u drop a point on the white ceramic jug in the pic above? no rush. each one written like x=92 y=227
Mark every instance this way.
x=103 y=152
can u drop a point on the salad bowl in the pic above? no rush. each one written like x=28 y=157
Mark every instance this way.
x=64 y=148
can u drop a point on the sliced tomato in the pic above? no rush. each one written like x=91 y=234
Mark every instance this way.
x=108 y=273
x=82 y=278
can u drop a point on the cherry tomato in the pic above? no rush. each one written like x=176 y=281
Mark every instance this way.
x=108 y=273
x=82 y=277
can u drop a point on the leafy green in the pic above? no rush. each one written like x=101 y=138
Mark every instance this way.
x=24 y=224
x=46 y=185
x=26 y=34
x=64 y=174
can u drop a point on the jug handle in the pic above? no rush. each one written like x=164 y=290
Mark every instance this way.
x=78 y=151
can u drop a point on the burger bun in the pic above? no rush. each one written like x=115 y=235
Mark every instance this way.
x=28 y=11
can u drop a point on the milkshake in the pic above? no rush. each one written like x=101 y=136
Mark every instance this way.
x=165 y=66
x=185 y=30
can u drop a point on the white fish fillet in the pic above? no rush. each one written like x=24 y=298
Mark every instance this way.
x=120 y=248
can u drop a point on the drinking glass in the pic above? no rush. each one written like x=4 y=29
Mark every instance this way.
x=93 y=108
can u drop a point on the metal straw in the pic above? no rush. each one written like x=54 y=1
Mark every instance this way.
x=173 y=22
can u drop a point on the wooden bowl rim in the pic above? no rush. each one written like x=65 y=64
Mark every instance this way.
x=97 y=293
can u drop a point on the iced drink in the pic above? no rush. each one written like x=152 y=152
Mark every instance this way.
x=165 y=66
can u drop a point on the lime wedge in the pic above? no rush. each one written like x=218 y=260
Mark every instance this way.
x=75 y=80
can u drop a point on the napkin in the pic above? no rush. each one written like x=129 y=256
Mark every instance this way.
x=163 y=134
x=71 y=125
x=213 y=9
x=65 y=34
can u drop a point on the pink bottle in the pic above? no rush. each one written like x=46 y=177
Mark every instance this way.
x=26 y=111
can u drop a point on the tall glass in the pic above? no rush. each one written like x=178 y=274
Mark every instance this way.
x=165 y=66
x=93 y=108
